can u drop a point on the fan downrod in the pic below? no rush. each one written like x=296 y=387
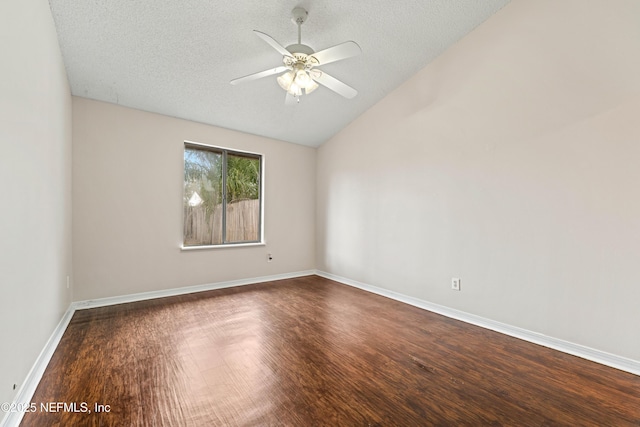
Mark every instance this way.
x=298 y=16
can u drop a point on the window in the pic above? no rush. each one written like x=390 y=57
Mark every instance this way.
x=222 y=196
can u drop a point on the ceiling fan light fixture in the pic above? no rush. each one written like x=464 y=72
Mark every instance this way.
x=295 y=89
x=285 y=80
x=310 y=87
x=303 y=79
x=294 y=81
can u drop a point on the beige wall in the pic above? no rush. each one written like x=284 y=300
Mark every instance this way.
x=127 y=204
x=510 y=162
x=35 y=187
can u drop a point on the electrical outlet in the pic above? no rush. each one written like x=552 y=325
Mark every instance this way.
x=269 y=257
x=455 y=284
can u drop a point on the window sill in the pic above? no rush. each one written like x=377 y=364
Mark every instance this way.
x=230 y=245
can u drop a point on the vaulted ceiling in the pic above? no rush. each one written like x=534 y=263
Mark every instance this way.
x=177 y=57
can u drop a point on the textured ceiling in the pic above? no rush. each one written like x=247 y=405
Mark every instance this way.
x=177 y=57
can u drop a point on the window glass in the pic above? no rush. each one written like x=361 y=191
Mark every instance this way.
x=222 y=200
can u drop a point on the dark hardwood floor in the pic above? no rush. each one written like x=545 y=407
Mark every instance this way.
x=312 y=352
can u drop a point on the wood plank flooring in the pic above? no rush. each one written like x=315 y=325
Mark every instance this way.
x=312 y=352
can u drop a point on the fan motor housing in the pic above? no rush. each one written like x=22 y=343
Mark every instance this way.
x=300 y=48
x=300 y=61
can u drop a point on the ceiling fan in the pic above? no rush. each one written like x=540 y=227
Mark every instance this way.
x=299 y=72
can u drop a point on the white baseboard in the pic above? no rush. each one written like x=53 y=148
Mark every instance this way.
x=29 y=385
x=103 y=302
x=604 y=358
x=28 y=388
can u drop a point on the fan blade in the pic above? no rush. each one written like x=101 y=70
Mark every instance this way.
x=290 y=100
x=336 y=53
x=259 y=75
x=334 y=84
x=274 y=44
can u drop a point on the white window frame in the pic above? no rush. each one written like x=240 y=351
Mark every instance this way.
x=225 y=150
